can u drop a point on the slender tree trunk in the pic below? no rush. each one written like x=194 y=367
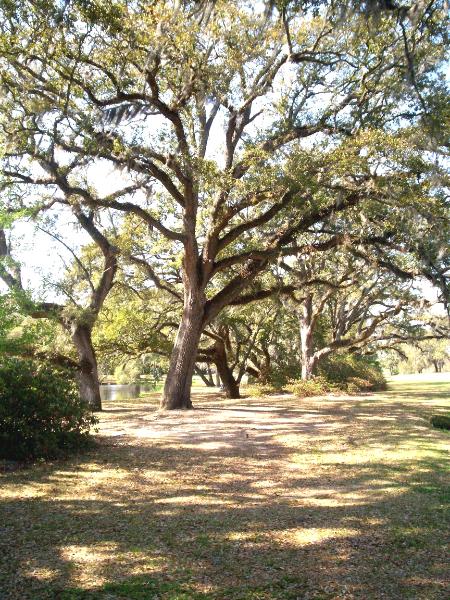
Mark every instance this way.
x=177 y=389
x=207 y=379
x=218 y=382
x=308 y=359
x=88 y=381
x=265 y=366
x=210 y=377
x=226 y=374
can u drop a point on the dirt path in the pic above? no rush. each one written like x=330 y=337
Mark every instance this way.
x=215 y=423
x=321 y=498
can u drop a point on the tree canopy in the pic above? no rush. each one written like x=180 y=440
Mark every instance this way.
x=237 y=134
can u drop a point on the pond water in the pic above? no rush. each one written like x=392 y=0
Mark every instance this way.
x=124 y=392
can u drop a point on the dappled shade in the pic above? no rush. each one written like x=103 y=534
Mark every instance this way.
x=338 y=497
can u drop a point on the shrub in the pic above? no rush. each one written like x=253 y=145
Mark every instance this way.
x=321 y=385
x=358 y=384
x=352 y=372
x=341 y=373
x=41 y=414
x=317 y=386
x=263 y=389
x=440 y=421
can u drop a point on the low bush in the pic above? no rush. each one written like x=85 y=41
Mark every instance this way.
x=277 y=377
x=440 y=421
x=353 y=373
x=356 y=385
x=41 y=414
x=349 y=374
x=317 y=386
x=263 y=389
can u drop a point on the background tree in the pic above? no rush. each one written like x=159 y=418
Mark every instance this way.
x=136 y=327
x=85 y=286
x=437 y=352
x=353 y=314
x=233 y=338
x=417 y=357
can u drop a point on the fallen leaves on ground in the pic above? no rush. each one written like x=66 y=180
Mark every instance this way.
x=252 y=499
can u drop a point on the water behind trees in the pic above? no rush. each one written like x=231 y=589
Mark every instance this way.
x=124 y=392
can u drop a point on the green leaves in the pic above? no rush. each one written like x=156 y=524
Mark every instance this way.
x=41 y=414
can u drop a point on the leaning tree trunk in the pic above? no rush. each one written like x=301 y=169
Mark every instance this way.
x=88 y=381
x=177 y=389
x=207 y=379
x=229 y=382
x=265 y=366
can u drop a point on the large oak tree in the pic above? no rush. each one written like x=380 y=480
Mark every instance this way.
x=224 y=118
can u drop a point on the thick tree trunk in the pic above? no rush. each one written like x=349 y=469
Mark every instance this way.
x=226 y=374
x=177 y=389
x=88 y=382
x=308 y=366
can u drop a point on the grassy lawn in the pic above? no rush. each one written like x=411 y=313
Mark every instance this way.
x=257 y=499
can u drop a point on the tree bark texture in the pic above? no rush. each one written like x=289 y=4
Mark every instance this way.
x=308 y=360
x=88 y=381
x=226 y=374
x=177 y=388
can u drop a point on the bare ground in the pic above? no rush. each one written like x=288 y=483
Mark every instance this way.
x=273 y=498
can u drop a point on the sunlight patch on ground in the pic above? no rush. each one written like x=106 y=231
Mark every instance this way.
x=194 y=500
x=305 y=536
x=98 y=562
x=88 y=562
x=335 y=490
x=22 y=491
x=35 y=570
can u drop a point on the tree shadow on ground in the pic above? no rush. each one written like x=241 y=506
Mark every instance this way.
x=317 y=500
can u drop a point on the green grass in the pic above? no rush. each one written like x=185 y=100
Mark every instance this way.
x=257 y=499
x=144 y=588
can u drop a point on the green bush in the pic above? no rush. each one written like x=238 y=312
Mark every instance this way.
x=358 y=384
x=440 y=421
x=317 y=386
x=353 y=373
x=344 y=373
x=41 y=414
x=349 y=373
x=263 y=389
